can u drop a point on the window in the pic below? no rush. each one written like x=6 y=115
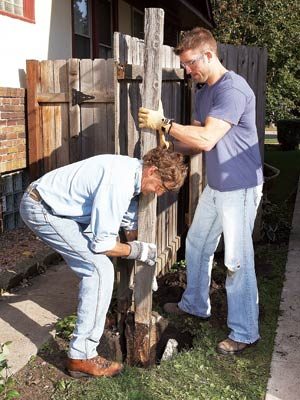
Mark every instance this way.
x=103 y=29
x=81 y=26
x=92 y=28
x=21 y=9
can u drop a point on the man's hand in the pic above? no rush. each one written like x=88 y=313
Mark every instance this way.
x=150 y=118
x=154 y=119
x=141 y=251
x=130 y=235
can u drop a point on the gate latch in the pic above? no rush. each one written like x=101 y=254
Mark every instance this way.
x=79 y=97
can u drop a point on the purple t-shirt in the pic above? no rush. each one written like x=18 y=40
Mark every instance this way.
x=235 y=162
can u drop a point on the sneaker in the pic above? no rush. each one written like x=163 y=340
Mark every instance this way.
x=93 y=367
x=231 y=347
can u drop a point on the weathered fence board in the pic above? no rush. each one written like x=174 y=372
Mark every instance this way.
x=61 y=114
x=35 y=145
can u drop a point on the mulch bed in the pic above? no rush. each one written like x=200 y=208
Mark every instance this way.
x=16 y=245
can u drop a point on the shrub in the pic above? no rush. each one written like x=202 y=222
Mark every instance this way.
x=288 y=133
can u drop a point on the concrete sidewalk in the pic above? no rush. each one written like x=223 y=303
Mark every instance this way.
x=284 y=382
x=29 y=314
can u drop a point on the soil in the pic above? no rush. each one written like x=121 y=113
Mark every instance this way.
x=18 y=244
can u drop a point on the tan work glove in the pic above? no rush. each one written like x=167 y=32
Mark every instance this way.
x=154 y=119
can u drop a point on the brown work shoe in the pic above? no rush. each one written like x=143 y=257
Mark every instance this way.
x=172 y=308
x=230 y=347
x=97 y=366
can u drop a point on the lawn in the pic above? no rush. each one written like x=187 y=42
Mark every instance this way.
x=199 y=372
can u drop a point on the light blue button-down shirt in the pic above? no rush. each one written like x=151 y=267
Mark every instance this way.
x=100 y=191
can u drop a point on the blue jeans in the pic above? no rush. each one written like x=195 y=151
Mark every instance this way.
x=232 y=213
x=95 y=271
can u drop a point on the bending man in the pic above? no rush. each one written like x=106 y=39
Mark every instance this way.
x=100 y=192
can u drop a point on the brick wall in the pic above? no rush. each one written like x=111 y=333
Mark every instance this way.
x=12 y=129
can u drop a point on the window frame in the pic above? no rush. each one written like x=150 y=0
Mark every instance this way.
x=28 y=9
x=90 y=33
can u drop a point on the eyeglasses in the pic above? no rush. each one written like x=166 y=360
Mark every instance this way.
x=191 y=62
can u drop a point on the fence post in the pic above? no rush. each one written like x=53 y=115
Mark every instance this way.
x=143 y=344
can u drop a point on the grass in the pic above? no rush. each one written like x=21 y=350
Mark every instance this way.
x=200 y=372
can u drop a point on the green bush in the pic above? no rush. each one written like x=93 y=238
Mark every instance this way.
x=288 y=133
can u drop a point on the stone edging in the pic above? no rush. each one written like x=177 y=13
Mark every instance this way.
x=27 y=267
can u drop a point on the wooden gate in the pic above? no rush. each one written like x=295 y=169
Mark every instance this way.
x=70 y=112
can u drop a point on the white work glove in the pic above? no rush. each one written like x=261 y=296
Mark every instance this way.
x=142 y=251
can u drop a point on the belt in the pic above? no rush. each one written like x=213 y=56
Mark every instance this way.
x=34 y=194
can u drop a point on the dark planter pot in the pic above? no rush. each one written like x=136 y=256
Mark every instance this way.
x=270 y=173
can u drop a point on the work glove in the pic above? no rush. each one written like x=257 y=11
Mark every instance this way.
x=154 y=119
x=142 y=251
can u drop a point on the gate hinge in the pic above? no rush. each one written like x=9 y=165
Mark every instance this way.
x=79 y=97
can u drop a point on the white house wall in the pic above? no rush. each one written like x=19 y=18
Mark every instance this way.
x=49 y=38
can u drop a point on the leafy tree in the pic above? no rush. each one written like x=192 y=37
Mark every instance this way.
x=274 y=24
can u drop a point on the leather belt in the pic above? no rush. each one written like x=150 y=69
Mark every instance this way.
x=34 y=194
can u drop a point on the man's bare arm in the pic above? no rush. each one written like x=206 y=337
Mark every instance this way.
x=184 y=148
x=200 y=137
x=120 y=250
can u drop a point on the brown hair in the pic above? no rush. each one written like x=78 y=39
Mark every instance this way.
x=170 y=165
x=197 y=37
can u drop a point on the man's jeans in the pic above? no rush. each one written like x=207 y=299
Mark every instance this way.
x=232 y=213
x=95 y=271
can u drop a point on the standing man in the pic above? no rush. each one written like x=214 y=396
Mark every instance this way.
x=225 y=130
x=99 y=192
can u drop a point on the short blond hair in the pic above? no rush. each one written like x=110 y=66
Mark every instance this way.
x=197 y=37
x=170 y=166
